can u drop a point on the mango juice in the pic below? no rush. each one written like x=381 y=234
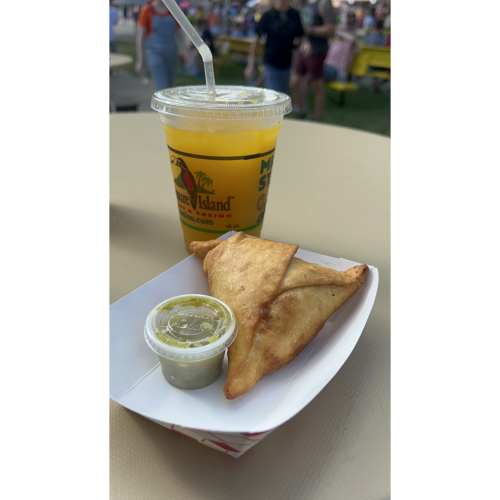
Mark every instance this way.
x=221 y=151
x=221 y=179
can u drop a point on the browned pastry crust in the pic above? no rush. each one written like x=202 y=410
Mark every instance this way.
x=280 y=301
x=201 y=248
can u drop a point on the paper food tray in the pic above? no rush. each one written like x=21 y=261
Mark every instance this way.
x=137 y=383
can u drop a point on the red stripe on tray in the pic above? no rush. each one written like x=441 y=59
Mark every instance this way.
x=224 y=436
x=224 y=446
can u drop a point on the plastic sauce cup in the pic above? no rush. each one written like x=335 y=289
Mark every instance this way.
x=221 y=153
x=190 y=334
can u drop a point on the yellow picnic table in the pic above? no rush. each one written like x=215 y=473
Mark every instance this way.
x=378 y=57
x=242 y=45
x=384 y=31
x=368 y=56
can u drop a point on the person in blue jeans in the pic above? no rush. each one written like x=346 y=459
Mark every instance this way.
x=283 y=28
x=113 y=19
x=163 y=36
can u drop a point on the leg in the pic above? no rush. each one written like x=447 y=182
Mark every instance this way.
x=318 y=87
x=284 y=80
x=298 y=85
x=171 y=61
x=157 y=69
x=270 y=80
x=317 y=84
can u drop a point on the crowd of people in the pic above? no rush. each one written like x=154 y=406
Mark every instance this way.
x=308 y=42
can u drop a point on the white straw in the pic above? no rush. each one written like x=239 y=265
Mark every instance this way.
x=204 y=51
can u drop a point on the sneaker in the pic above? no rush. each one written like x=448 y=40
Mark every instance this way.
x=301 y=116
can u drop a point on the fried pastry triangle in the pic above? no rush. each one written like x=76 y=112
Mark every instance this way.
x=280 y=301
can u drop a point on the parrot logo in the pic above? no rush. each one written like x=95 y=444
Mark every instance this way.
x=186 y=178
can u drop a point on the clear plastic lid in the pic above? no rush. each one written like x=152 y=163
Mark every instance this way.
x=231 y=102
x=190 y=327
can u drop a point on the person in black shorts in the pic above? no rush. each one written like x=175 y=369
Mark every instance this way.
x=318 y=19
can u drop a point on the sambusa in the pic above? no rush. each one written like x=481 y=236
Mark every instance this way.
x=280 y=301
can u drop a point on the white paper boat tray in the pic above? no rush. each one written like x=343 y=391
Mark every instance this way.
x=137 y=383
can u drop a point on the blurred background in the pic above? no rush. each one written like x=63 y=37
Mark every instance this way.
x=148 y=52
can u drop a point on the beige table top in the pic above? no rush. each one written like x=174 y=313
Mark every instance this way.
x=330 y=194
x=119 y=60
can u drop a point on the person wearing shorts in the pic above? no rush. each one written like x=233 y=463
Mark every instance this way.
x=318 y=19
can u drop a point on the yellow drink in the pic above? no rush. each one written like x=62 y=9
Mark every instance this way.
x=231 y=171
x=221 y=153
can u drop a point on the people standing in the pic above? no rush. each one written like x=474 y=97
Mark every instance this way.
x=358 y=15
x=251 y=24
x=282 y=26
x=162 y=35
x=135 y=13
x=195 y=66
x=369 y=19
x=341 y=52
x=318 y=18
x=113 y=19
x=214 y=20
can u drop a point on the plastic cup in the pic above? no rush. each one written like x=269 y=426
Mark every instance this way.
x=221 y=154
x=190 y=334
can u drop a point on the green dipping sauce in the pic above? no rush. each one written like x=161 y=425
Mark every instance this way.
x=190 y=334
x=191 y=321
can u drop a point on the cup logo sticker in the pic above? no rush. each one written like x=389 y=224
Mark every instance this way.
x=200 y=205
x=186 y=179
x=261 y=202
x=203 y=180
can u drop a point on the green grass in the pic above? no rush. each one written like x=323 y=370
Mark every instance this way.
x=363 y=110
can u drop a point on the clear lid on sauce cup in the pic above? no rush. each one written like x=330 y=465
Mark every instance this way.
x=190 y=327
x=231 y=102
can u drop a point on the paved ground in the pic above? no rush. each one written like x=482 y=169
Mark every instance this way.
x=125 y=30
x=127 y=88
